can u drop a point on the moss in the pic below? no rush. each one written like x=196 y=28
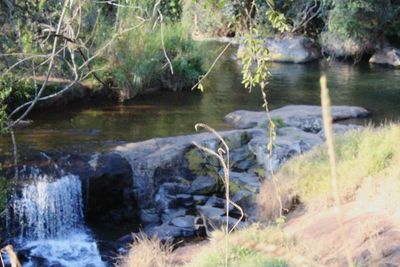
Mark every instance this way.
x=201 y=164
x=233 y=188
x=3 y=193
x=278 y=121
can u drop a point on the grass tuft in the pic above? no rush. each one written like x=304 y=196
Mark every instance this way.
x=147 y=252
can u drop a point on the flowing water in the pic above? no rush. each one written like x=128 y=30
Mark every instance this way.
x=52 y=231
x=50 y=208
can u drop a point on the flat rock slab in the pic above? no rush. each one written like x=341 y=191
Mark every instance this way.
x=305 y=117
x=184 y=222
x=341 y=129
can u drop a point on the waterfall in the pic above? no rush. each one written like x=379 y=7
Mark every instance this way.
x=49 y=212
x=49 y=209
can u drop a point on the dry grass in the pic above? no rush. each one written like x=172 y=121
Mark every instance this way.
x=250 y=247
x=364 y=159
x=146 y=252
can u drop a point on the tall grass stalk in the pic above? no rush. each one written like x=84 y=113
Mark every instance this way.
x=327 y=120
x=222 y=154
x=12 y=255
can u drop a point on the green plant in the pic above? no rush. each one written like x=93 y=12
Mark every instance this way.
x=249 y=248
x=136 y=66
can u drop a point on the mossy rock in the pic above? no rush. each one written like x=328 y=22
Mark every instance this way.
x=233 y=188
x=235 y=140
x=201 y=164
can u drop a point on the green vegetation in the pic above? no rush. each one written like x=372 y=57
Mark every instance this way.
x=365 y=158
x=252 y=247
x=124 y=49
x=3 y=193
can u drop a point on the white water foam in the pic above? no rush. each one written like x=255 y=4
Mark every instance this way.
x=50 y=213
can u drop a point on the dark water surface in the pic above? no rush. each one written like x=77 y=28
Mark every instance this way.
x=167 y=114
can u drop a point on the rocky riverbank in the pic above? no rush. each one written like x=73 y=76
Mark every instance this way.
x=177 y=186
x=288 y=48
x=172 y=189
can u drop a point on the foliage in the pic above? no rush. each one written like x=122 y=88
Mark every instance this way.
x=172 y=9
x=368 y=155
x=3 y=193
x=363 y=20
x=136 y=66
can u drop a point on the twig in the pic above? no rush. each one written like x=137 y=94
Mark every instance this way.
x=212 y=66
x=162 y=42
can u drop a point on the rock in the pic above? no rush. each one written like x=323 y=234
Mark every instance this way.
x=204 y=185
x=293 y=49
x=108 y=187
x=245 y=199
x=248 y=181
x=216 y=202
x=220 y=221
x=164 y=232
x=339 y=47
x=210 y=212
x=199 y=199
x=339 y=129
x=241 y=159
x=387 y=56
x=184 y=199
x=124 y=241
x=149 y=216
x=305 y=117
x=184 y=222
x=290 y=141
x=169 y=214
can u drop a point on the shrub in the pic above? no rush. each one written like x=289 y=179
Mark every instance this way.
x=137 y=61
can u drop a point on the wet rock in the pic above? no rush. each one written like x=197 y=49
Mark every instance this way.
x=388 y=56
x=107 y=187
x=184 y=222
x=204 y=185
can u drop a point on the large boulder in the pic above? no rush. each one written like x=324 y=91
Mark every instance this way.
x=305 y=117
x=292 y=49
x=388 y=56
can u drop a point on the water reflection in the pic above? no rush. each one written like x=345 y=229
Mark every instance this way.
x=165 y=114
